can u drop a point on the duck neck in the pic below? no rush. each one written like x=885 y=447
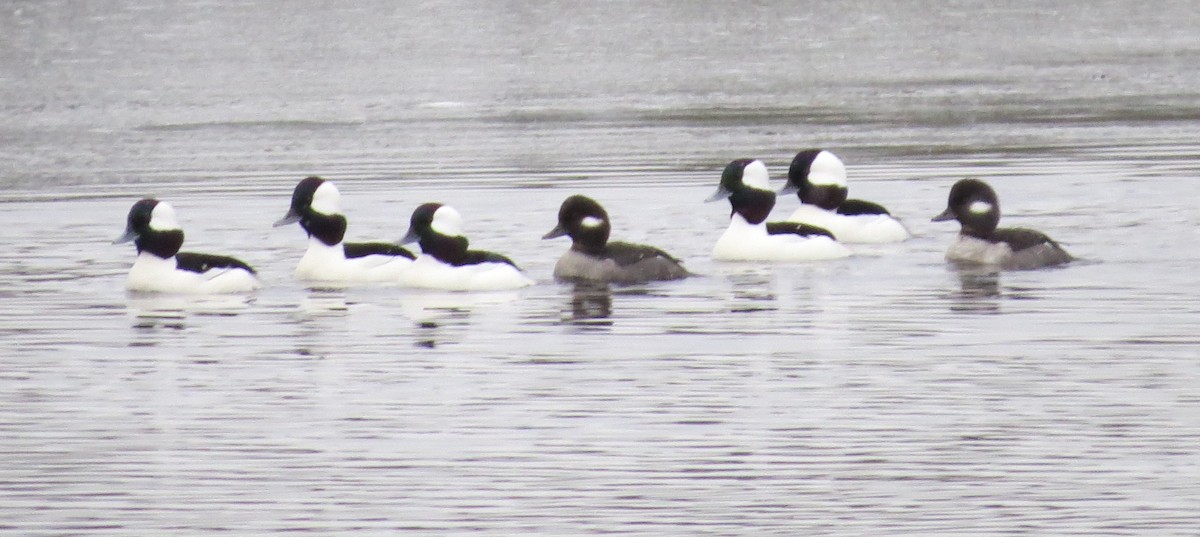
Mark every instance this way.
x=164 y=244
x=752 y=204
x=449 y=250
x=330 y=229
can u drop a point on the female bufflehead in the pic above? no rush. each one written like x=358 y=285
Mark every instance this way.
x=819 y=178
x=593 y=258
x=162 y=268
x=749 y=237
x=974 y=204
x=446 y=263
x=316 y=205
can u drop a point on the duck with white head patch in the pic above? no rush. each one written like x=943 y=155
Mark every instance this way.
x=594 y=258
x=316 y=205
x=447 y=263
x=818 y=177
x=749 y=237
x=976 y=207
x=160 y=266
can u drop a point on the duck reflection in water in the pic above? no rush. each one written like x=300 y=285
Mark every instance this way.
x=591 y=304
x=979 y=290
x=154 y=311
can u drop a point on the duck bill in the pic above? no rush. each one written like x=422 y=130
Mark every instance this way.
x=720 y=194
x=290 y=218
x=558 y=231
x=125 y=237
x=946 y=215
x=409 y=237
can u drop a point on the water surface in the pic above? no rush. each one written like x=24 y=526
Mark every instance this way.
x=884 y=394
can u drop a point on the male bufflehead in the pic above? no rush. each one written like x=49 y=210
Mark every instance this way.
x=160 y=266
x=316 y=205
x=974 y=204
x=819 y=179
x=446 y=262
x=745 y=182
x=593 y=258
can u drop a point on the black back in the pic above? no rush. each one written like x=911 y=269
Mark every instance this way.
x=625 y=254
x=796 y=228
x=860 y=207
x=1020 y=238
x=196 y=262
x=475 y=257
x=363 y=249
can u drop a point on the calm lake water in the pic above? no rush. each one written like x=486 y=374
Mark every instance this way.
x=884 y=394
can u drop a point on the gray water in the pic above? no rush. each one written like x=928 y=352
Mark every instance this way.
x=885 y=394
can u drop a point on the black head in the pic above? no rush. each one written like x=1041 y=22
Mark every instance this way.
x=438 y=229
x=745 y=182
x=153 y=228
x=420 y=224
x=305 y=191
x=818 y=177
x=316 y=205
x=974 y=204
x=731 y=179
x=585 y=221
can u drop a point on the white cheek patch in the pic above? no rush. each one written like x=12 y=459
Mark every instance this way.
x=980 y=207
x=327 y=199
x=162 y=218
x=827 y=170
x=755 y=175
x=591 y=222
x=447 y=221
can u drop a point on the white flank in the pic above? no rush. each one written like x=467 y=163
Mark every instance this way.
x=862 y=228
x=744 y=241
x=154 y=274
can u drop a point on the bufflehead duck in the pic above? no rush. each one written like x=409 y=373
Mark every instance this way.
x=316 y=205
x=819 y=179
x=745 y=182
x=160 y=266
x=446 y=262
x=593 y=258
x=974 y=204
